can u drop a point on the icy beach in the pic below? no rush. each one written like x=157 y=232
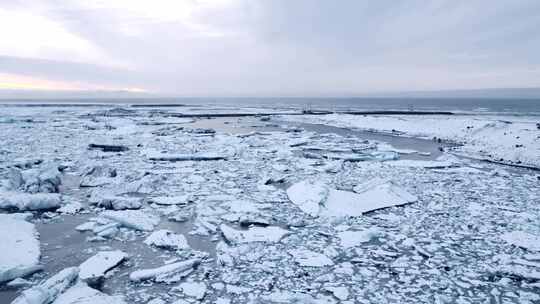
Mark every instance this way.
x=113 y=205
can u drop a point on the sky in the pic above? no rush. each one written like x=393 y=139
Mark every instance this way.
x=268 y=47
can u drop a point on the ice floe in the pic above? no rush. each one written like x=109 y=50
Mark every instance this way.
x=134 y=219
x=93 y=269
x=169 y=273
x=21 y=252
x=27 y=201
x=47 y=291
x=310 y=258
x=167 y=239
x=270 y=234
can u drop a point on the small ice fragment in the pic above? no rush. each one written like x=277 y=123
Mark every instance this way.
x=27 y=201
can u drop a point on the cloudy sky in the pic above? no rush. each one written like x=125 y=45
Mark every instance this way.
x=268 y=47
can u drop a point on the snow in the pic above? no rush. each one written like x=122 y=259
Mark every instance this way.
x=21 y=252
x=96 y=266
x=271 y=234
x=80 y=293
x=310 y=258
x=134 y=219
x=168 y=273
x=167 y=239
x=522 y=239
x=50 y=289
x=27 y=201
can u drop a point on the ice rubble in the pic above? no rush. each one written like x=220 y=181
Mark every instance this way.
x=28 y=201
x=21 y=252
x=522 y=239
x=316 y=198
x=352 y=238
x=169 y=273
x=195 y=290
x=167 y=239
x=270 y=234
x=93 y=269
x=45 y=180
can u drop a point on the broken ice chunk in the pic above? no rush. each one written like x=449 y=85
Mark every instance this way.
x=20 y=253
x=169 y=273
x=120 y=203
x=270 y=234
x=98 y=176
x=170 y=200
x=50 y=289
x=355 y=238
x=310 y=258
x=81 y=293
x=167 y=239
x=186 y=157
x=27 y=201
x=522 y=239
x=134 y=219
x=93 y=269
x=195 y=290
x=308 y=196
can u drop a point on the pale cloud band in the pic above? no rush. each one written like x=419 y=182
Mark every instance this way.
x=240 y=47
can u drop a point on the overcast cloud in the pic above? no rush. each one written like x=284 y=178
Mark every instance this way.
x=269 y=48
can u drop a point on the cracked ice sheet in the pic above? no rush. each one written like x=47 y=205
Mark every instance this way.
x=318 y=199
x=20 y=254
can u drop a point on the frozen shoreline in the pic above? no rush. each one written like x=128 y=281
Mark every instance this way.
x=502 y=139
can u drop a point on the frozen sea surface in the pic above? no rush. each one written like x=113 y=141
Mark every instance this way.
x=470 y=234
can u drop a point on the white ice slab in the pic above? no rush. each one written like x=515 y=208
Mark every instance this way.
x=310 y=258
x=27 y=201
x=96 y=266
x=195 y=290
x=20 y=248
x=134 y=219
x=170 y=200
x=271 y=234
x=167 y=239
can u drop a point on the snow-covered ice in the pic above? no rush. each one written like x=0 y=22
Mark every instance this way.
x=20 y=248
x=27 y=201
x=167 y=239
x=50 y=289
x=270 y=234
x=169 y=273
x=135 y=219
x=95 y=267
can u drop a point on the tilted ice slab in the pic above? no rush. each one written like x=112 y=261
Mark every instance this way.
x=27 y=201
x=50 y=289
x=80 y=293
x=169 y=273
x=96 y=266
x=310 y=258
x=134 y=219
x=20 y=254
x=316 y=198
x=167 y=239
x=271 y=234
x=522 y=239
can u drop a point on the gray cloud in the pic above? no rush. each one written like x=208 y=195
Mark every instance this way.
x=304 y=47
